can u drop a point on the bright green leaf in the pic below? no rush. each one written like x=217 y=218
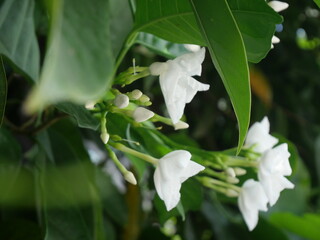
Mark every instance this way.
x=78 y=64
x=317 y=2
x=3 y=90
x=18 y=41
x=225 y=44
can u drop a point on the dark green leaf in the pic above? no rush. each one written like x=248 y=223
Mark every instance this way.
x=161 y=46
x=18 y=41
x=83 y=117
x=20 y=229
x=225 y=44
x=3 y=90
x=257 y=24
x=175 y=21
x=306 y=226
x=78 y=65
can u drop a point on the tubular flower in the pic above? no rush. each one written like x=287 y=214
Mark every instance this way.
x=258 y=135
x=177 y=85
x=252 y=198
x=273 y=166
x=172 y=170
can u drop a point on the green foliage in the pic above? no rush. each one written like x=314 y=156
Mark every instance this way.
x=19 y=43
x=230 y=61
x=75 y=68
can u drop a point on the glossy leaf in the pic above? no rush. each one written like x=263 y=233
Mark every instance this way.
x=78 y=64
x=175 y=21
x=3 y=91
x=225 y=44
x=18 y=41
x=83 y=117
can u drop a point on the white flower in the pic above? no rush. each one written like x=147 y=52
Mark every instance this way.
x=258 y=135
x=252 y=198
x=192 y=47
x=141 y=114
x=278 y=6
x=273 y=166
x=177 y=85
x=172 y=170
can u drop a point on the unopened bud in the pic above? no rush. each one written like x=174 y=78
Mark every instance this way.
x=104 y=137
x=230 y=172
x=144 y=98
x=136 y=94
x=275 y=40
x=278 y=6
x=240 y=171
x=181 y=125
x=141 y=114
x=90 y=105
x=121 y=101
x=232 y=180
x=231 y=193
x=129 y=177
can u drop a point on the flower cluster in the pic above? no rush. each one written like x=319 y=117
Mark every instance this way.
x=273 y=166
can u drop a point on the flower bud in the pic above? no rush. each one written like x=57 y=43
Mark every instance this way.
x=136 y=94
x=129 y=177
x=90 y=105
x=240 y=171
x=121 y=101
x=232 y=180
x=231 y=193
x=141 y=114
x=144 y=98
x=230 y=172
x=181 y=125
x=275 y=40
x=104 y=137
x=278 y=6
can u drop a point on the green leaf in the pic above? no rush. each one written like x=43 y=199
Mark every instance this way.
x=78 y=64
x=18 y=41
x=225 y=44
x=3 y=91
x=83 y=117
x=306 y=226
x=160 y=46
x=317 y=2
x=257 y=23
x=175 y=21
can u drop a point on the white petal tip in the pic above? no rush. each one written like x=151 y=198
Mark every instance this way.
x=181 y=125
x=157 y=68
x=105 y=137
x=90 y=105
x=278 y=6
x=192 y=47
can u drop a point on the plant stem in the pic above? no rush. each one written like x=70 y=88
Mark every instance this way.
x=140 y=155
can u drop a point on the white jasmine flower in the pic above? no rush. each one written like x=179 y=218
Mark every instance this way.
x=177 y=85
x=172 y=170
x=121 y=101
x=141 y=114
x=278 y=6
x=252 y=198
x=273 y=166
x=258 y=135
x=192 y=47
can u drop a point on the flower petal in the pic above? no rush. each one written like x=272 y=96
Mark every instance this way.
x=191 y=62
x=192 y=169
x=278 y=6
